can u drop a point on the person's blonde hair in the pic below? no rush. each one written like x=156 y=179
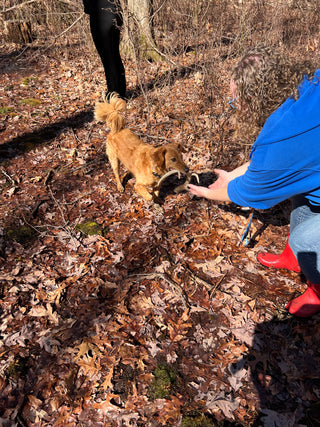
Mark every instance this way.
x=264 y=79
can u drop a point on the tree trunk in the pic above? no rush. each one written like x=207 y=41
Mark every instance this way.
x=138 y=38
x=19 y=32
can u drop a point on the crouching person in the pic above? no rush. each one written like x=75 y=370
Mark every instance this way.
x=283 y=98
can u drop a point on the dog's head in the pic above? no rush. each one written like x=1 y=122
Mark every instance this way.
x=167 y=158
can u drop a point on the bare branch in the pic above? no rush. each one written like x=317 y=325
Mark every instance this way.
x=66 y=30
x=70 y=2
x=16 y=6
x=27 y=2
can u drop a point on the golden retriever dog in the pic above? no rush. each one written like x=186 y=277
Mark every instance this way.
x=146 y=163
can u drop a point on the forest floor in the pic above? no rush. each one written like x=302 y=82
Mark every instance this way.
x=120 y=312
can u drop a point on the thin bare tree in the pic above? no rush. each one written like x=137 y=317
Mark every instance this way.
x=138 y=37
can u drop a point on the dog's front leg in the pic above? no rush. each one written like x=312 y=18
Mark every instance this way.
x=114 y=162
x=143 y=192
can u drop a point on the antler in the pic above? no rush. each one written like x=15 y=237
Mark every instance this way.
x=184 y=186
x=166 y=176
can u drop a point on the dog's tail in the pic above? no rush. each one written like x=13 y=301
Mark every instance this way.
x=109 y=112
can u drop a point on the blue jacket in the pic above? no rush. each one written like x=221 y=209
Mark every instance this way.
x=285 y=158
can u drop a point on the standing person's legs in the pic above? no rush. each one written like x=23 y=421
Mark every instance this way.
x=304 y=241
x=105 y=23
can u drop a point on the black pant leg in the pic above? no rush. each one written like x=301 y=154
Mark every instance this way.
x=105 y=23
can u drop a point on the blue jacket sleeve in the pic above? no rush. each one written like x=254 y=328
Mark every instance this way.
x=285 y=159
x=263 y=189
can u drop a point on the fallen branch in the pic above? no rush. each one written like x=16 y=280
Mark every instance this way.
x=13 y=181
x=201 y=278
x=171 y=282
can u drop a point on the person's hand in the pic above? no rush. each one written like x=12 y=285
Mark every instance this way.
x=217 y=191
x=223 y=179
x=199 y=191
x=220 y=194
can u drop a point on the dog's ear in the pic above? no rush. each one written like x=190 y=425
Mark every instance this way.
x=180 y=147
x=159 y=158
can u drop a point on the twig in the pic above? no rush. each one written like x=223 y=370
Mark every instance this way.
x=69 y=28
x=196 y=278
x=59 y=207
x=209 y=218
x=64 y=32
x=212 y=288
x=49 y=177
x=72 y=3
x=65 y=226
x=171 y=282
x=13 y=181
x=158 y=10
x=218 y=286
x=18 y=6
x=77 y=139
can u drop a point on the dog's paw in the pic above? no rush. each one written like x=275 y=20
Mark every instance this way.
x=143 y=192
x=120 y=188
x=148 y=197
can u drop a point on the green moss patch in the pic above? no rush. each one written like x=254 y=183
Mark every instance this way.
x=18 y=367
x=89 y=228
x=27 y=80
x=6 y=110
x=198 y=421
x=22 y=235
x=163 y=383
x=32 y=102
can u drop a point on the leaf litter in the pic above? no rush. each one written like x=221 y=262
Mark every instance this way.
x=159 y=318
